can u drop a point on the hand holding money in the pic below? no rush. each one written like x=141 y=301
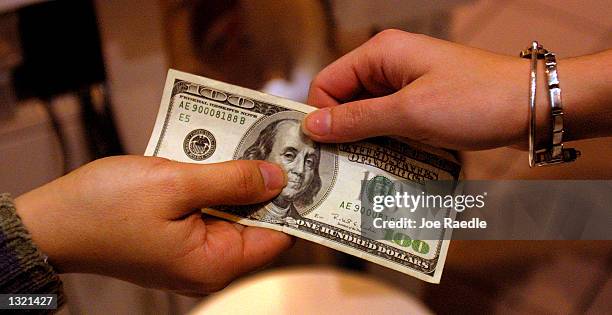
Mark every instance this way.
x=206 y=121
x=132 y=217
x=425 y=89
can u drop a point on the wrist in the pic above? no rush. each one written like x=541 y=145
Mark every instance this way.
x=520 y=128
x=25 y=268
x=586 y=93
x=543 y=110
x=37 y=215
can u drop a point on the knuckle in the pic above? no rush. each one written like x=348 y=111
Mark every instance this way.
x=392 y=37
x=314 y=89
x=316 y=82
x=246 y=179
x=387 y=35
x=352 y=117
x=415 y=36
x=166 y=175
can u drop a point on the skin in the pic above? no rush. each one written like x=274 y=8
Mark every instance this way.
x=133 y=217
x=456 y=97
x=452 y=96
x=138 y=219
x=296 y=155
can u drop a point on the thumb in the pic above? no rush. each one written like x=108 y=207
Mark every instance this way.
x=354 y=120
x=231 y=183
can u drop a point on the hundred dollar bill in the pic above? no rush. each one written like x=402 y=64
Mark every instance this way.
x=205 y=121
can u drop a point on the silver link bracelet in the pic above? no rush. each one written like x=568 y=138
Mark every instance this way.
x=554 y=153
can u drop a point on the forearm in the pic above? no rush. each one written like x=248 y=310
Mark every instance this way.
x=41 y=211
x=427 y=90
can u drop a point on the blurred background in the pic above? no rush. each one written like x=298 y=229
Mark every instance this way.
x=80 y=80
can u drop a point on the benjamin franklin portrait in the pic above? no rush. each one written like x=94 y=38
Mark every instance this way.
x=283 y=143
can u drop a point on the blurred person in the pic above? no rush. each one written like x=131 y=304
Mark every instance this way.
x=273 y=46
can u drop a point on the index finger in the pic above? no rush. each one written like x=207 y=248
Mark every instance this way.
x=379 y=67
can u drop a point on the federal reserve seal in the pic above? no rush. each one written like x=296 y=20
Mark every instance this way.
x=199 y=144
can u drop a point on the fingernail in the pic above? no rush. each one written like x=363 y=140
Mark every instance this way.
x=318 y=123
x=273 y=175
